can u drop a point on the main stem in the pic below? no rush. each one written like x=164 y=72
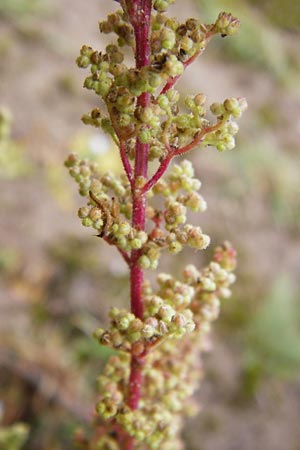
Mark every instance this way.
x=140 y=16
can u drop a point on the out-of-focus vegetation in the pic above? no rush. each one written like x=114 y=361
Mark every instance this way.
x=13 y=162
x=278 y=315
x=13 y=437
x=14 y=8
x=54 y=276
x=260 y=43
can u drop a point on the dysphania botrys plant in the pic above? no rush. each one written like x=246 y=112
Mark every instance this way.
x=146 y=389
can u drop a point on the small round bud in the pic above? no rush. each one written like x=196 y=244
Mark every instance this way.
x=72 y=160
x=175 y=247
x=136 y=244
x=145 y=136
x=87 y=222
x=166 y=312
x=144 y=262
x=83 y=212
x=124 y=228
x=95 y=214
x=217 y=109
x=231 y=104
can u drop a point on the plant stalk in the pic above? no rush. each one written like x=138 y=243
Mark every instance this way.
x=140 y=16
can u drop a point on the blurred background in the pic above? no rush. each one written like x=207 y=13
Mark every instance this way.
x=58 y=281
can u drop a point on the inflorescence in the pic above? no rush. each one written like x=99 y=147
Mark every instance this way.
x=177 y=313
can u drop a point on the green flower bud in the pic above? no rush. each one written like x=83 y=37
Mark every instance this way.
x=144 y=262
x=168 y=38
x=154 y=304
x=162 y=5
x=183 y=120
x=186 y=44
x=116 y=339
x=173 y=67
x=136 y=244
x=175 y=247
x=85 y=171
x=83 y=61
x=72 y=160
x=124 y=228
x=155 y=80
x=208 y=284
x=74 y=172
x=217 y=109
x=89 y=83
x=148 y=331
x=166 y=312
x=229 y=141
x=142 y=236
x=231 y=104
x=102 y=87
x=117 y=57
x=98 y=224
x=187 y=168
x=226 y=24
x=83 y=212
x=122 y=242
x=87 y=222
x=98 y=333
x=134 y=337
x=135 y=325
x=145 y=136
x=86 y=51
x=189 y=102
x=106 y=408
x=173 y=96
x=96 y=187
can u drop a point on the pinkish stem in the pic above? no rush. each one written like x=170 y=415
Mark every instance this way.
x=158 y=174
x=176 y=152
x=172 y=81
x=140 y=16
x=126 y=163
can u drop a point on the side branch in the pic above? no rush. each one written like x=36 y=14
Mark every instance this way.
x=197 y=140
x=158 y=174
x=176 y=152
x=126 y=163
x=124 y=254
x=172 y=81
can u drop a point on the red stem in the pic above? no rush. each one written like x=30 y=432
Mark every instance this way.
x=126 y=163
x=158 y=174
x=140 y=16
x=171 y=81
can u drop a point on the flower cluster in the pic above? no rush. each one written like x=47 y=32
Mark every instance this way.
x=180 y=192
x=159 y=124
x=109 y=210
x=177 y=309
x=146 y=388
x=109 y=204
